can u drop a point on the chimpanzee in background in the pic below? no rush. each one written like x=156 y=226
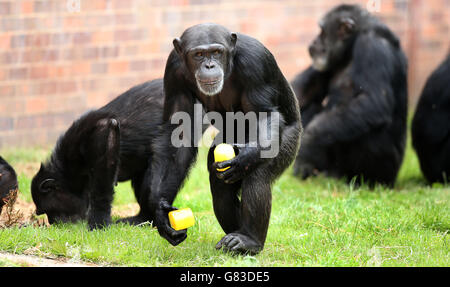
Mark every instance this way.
x=114 y=143
x=353 y=100
x=8 y=181
x=431 y=126
x=227 y=72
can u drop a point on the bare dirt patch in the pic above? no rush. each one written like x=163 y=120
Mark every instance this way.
x=21 y=213
x=18 y=213
x=36 y=261
x=125 y=210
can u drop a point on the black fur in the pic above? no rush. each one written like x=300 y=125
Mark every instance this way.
x=252 y=82
x=8 y=181
x=114 y=143
x=431 y=126
x=354 y=110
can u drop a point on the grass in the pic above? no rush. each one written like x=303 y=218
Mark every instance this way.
x=4 y=263
x=317 y=222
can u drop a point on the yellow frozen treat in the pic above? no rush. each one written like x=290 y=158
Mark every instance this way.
x=181 y=218
x=223 y=152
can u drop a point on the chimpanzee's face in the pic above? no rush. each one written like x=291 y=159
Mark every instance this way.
x=8 y=182
x=331 y=45
x=208 y=63
x=52 y=197
x=207 y=51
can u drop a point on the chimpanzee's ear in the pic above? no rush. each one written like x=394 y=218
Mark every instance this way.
x=47 y=185
x=233 y=39
x=177 y=45
x=346 y=26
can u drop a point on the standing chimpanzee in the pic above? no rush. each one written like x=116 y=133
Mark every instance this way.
x=114 y=143
x=431 y=126
x=8 y=181
x=353 y=100
x=227 y=73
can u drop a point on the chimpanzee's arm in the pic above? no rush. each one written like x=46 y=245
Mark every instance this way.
x=278 y=129
x=101 y=148
x=170 y=167
x=310 y=87
x=250 y=155
x=265 y=90
x=170 y=164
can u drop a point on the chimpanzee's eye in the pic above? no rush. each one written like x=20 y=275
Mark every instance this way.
x=216 y=52
x=199 y=54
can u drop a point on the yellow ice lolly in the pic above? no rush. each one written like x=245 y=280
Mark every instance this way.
x=181 y=218
x=223 y=152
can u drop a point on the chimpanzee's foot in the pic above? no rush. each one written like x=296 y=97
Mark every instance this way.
x=240 y=244
x=98 y=222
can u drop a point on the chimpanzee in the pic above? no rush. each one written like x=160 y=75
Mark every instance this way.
x=353 y=100
x=228 y=73
x=8 y=181
x=111 y=144
x=431 y=126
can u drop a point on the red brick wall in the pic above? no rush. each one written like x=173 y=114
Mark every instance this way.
x=56 y=62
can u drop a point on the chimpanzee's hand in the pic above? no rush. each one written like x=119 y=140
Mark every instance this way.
x=162 y=223
x=304 y=170
x=240 y=166
x=304 y=166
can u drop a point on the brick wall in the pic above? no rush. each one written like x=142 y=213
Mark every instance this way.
x=57 y=62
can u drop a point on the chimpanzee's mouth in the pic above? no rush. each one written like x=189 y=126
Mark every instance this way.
x=210 y=85
x=320 y=63
x=209 y=82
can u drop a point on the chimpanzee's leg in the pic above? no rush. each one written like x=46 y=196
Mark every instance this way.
x=103 y=152
x=245 y=222
x=255 y=208
x=256 y=199
x=225 y=199
x=142 y=191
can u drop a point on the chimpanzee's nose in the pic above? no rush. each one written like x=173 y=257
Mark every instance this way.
x=210 y=65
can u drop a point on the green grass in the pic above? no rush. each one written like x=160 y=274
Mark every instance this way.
x=5 y=263
x=317 y=222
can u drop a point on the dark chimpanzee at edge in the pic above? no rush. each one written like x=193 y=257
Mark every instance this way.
x=227 y=72
x=431 y=126
x=353 y=100
x=8 y=181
